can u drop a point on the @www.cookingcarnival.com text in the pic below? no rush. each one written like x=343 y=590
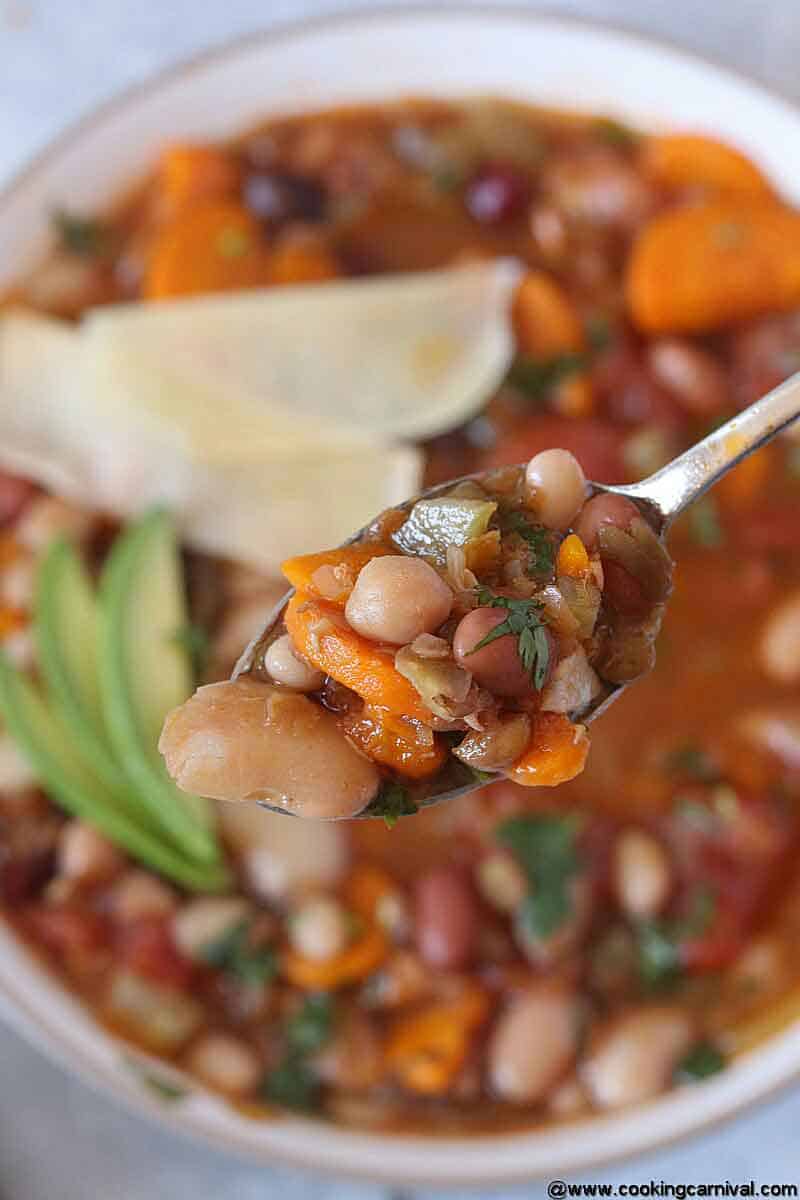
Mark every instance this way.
x=559 y=1189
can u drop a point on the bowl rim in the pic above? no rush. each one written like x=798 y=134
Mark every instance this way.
x=34 y=1027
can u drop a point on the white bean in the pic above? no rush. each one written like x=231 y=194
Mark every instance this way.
x=780 y=642
x=633 y=1057
x=137 y=894
x=282 y=664
x=556 y=487
x=279 y=858
x=246 y=740
x=501 y=882
x=396 y=598
x=319 y=928
x=641 y=874
x=226 y=1063
x=84 y=854
x=201 y=922
x=534 y=1043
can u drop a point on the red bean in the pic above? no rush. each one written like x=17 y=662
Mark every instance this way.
x=445 y=918
x=496 y=193
x=498 y=666
x=605 y=509
x=14 y=495
x=624 y=592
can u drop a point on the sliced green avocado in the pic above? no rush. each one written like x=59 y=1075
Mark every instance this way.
x=433 y=525
x=48 y=744
x=144 y=671
x=65 y=626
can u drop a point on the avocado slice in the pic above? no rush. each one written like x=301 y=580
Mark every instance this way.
x=435 y=524
x=144 y=671
x=48 y=744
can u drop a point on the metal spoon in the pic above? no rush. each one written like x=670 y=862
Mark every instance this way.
x=660 y=498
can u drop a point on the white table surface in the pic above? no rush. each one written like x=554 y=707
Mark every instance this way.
x=58 y=58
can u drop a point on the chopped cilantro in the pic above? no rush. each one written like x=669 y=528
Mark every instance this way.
x=392 y=802
x=545 y=847
x=536 y=377
x=197 y=644
x=84 y=236
x=693 y=762
x=160 y=1085
x=524 y=623
x=233 y=953
x=541 y=551
x=294 y=1083
x=310 y=1027
x=703 y=1060
x=704 y=523
x=659 y=941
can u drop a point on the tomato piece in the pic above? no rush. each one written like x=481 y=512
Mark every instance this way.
x=596 y=444
x=147 y=947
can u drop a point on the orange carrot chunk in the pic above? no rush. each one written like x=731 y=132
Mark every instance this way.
x=546 y=325
x=556 y=752
x=426 y=1049
x=322 y=638
x=216 y=246
x=330 y=574
x=572 y=557
x=364 y=955
x=189 y=174
x=401 y=746
x=694 y=269
x=686 y=160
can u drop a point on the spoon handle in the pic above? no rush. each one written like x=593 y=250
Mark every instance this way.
x=687 y=477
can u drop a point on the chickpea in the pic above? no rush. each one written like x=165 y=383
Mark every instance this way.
x=283 y=664
x=604 y=509
x=556 y=487
x=201 y=922
x=246 y=740
x=534 y=1043
x=446 y=918
x=225 y=1063
x=633 y=1057
x=85 y=855
x=319 y=928
x=498 y=666
x=396 y=598
x=641 y=874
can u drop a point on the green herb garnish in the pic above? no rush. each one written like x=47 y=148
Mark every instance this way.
x=599 y=334
x=537 y=377
x=704 y=523
x=160 y=1085
x=703 y=1060
x=309 y=1029
x=84 y=236
x=659 y=941
x=541 y=554
x=524 y=623
x=546 y=849
x=234 y=953
x=194 y=640
x=392 y=802
x=294 y=1083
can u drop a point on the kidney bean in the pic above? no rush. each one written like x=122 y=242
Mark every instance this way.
x=498 y=666
x=23 y=877
x=446 y=918
x=497 y=192
x=604 y=509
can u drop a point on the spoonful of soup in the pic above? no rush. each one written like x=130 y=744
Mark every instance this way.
x=469 y=634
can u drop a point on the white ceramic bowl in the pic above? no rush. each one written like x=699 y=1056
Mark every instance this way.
x=373 y=57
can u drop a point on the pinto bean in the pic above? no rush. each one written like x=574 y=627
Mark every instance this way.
x=534 y=1043
x=633 y=1056
x=446 y=918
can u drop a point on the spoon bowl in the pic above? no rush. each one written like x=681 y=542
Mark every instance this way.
x=660 y=498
